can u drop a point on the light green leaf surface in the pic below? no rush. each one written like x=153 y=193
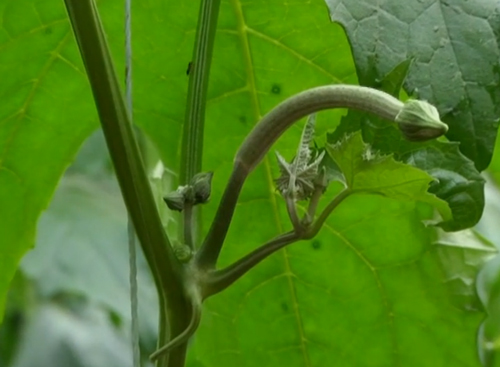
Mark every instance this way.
x=368 y=291
x=46 y=111
x=366 y=170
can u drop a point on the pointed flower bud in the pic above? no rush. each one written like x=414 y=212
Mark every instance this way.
x=176 y=199
x=419 y=121
x=201 y=184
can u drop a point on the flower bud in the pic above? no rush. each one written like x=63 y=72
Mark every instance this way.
x=201 y=184
x=176 y=199
x=419 y=121
x=183 y=253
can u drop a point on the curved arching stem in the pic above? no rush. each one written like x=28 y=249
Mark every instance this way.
x=218 y=280
x=184 y=336
x=284 y=115
x=419 y=123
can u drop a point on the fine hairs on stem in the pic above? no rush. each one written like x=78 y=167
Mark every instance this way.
x=417 y=122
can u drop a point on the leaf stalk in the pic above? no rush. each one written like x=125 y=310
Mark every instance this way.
x=270 y=128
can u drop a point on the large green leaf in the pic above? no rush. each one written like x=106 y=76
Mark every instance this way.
x=368 y=291
x=366 y=170
x=456 y=179
x=328 y=301
x=455 y=45
x=46 y=112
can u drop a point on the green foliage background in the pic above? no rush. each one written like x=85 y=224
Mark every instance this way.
x=374 y=288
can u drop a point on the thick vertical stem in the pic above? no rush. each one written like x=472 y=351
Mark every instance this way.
x=192 y=138
x=123 y=148
x=191 y=157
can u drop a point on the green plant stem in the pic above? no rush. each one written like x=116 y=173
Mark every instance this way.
x=188 y=226
x=134 y=330
x=315 y=228
x=269 y=129
x=204 y=258
x=313 y=203
x=218 y=280
x=192 y=136
x=292 y=213
x=166 y=269
x=183 y=337
x=280 y=118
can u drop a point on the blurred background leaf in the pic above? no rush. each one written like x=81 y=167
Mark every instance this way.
x=488 y=282
x=80 y=255
x=61 y=338
x=82 y=248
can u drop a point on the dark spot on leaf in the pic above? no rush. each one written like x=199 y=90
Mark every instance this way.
x=284 y=306
x=316 y=244
x=189 y=67
x=276 y=89
x=243 y=119
x=48 y=30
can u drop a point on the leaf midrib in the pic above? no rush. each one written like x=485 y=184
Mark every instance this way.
x=242 y=31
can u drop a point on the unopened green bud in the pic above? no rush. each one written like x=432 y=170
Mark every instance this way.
x=419 y=121
x=201 y=184
x=176 y=199
x=183 y=253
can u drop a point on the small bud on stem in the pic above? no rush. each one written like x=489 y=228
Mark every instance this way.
x=419 y=121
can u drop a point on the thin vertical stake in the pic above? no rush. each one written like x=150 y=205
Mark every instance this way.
x=136 y=354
